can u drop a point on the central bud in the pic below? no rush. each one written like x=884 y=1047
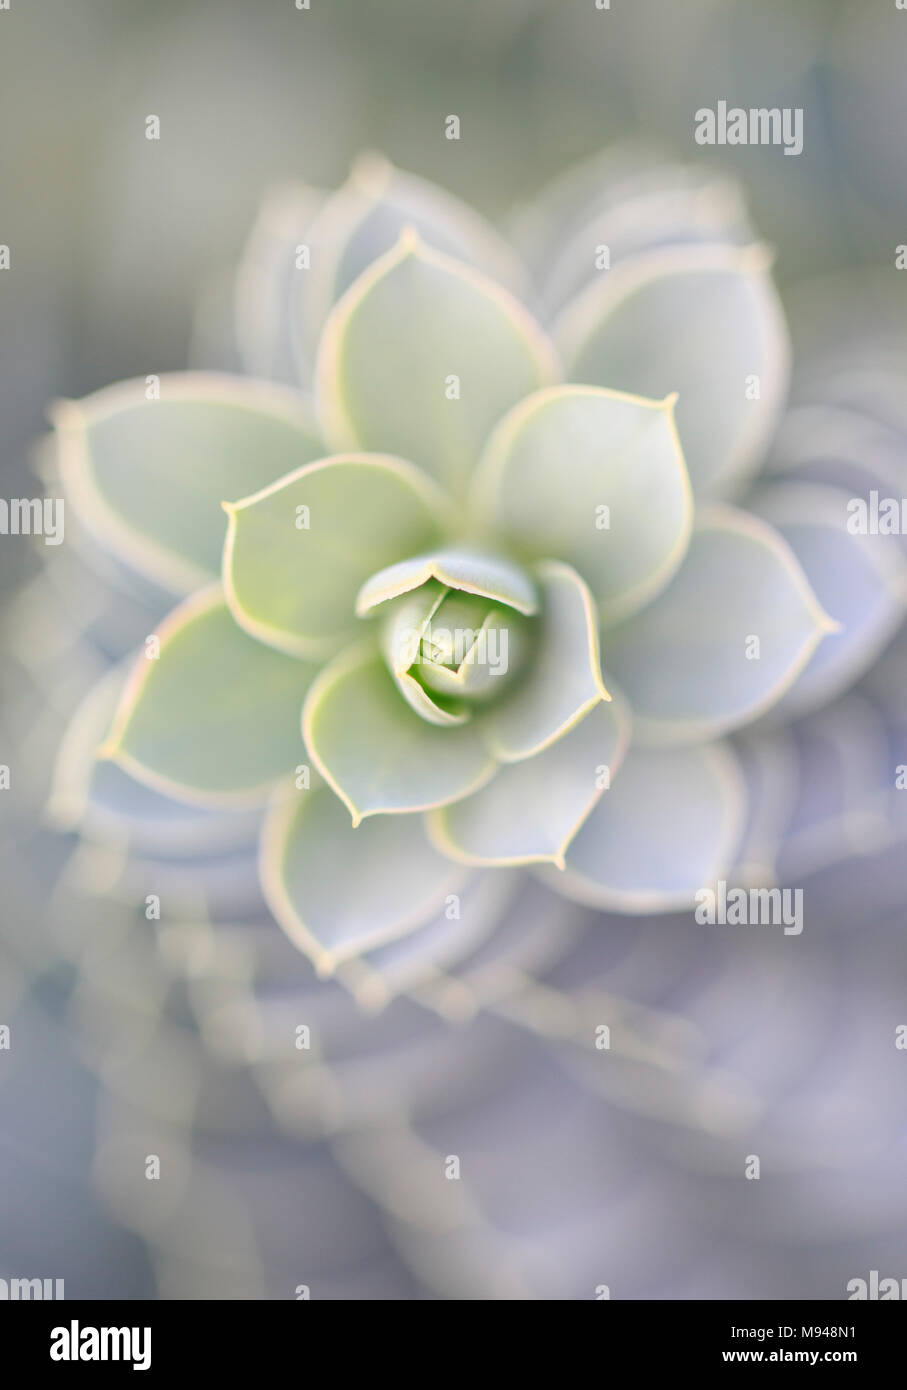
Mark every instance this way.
x=455 y=629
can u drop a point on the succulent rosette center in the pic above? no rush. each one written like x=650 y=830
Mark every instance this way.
x=452 y=643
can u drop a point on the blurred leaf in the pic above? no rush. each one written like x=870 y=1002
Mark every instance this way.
x=148 y=476
x=337 y=890
x=725 y=639
x=704 y=321
x=668 y=827
x=215 y=716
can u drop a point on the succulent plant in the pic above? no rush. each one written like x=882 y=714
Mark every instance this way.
x=475 y=602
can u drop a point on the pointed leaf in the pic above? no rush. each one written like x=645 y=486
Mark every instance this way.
x=298 y=552
x=722 y=643
x=704 y=321
x=564 y=680
x=376 y=752
x=216 y=716
x=337 y=890
x=594 y=478
x=422 y=357
x=148 y=476
x=531 y=810
x=490 y=576
x=860 y=579
x=669 y=826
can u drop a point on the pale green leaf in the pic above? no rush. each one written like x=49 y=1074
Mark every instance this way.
x=861 y=579
x=421 y=358
x=376 y=752
x=214 y=717
x=564 y=679
x=489 y=576
x=725 y=639
x=595 y=478
x=147 y=477
x=669 y=826
x=298 y=552
x=338 y=891
x=704 y=321
x=531 y=810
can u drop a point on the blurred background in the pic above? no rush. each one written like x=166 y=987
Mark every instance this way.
x=115 y=242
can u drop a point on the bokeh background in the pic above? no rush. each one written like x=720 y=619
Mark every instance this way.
x=119 y=249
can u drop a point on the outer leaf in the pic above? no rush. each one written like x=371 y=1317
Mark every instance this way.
x=376 y=753
x=532 y=809
x=564 y=681
x=702 y=321
x=99 y=799
x=294 y=586
x=595 y=478
x=669 y=826
x=366 y=218
x=490 y=576
x=410 y=961
x=687 y=663
x=338 y=891
x=415 y=320
x=861 y=579
x=216 y=716
x=147 y=477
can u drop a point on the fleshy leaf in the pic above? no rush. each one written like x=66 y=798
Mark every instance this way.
x=364 y=220
x=725 y=639
x=336 y=890
x=376 y=752
x=531 y=810
x=216 y=715
x=404 y=626
x=421 y=358
x=298 y=552
x=595 y=478
x=99 y=799
x=704 y=321
x=669 y=826
x=270 y=284
x=564 y=680
x=487 y=575
x=147 y=476
x=861 y=579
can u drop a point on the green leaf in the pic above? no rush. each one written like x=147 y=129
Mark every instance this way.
x=376 y=753
x=147 y=476
x=336 y=890
x=531 y=810
x=564 y=680
x=593 y=478
x=668 y=827
x=489 y=576
x=405 y=625
x=704 y=321
x=298 y=552
x=722 y=643
x=421 y=357
x=215 y=717
x=860 y=579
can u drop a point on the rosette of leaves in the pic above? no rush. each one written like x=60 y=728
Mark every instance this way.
x=473 y=598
